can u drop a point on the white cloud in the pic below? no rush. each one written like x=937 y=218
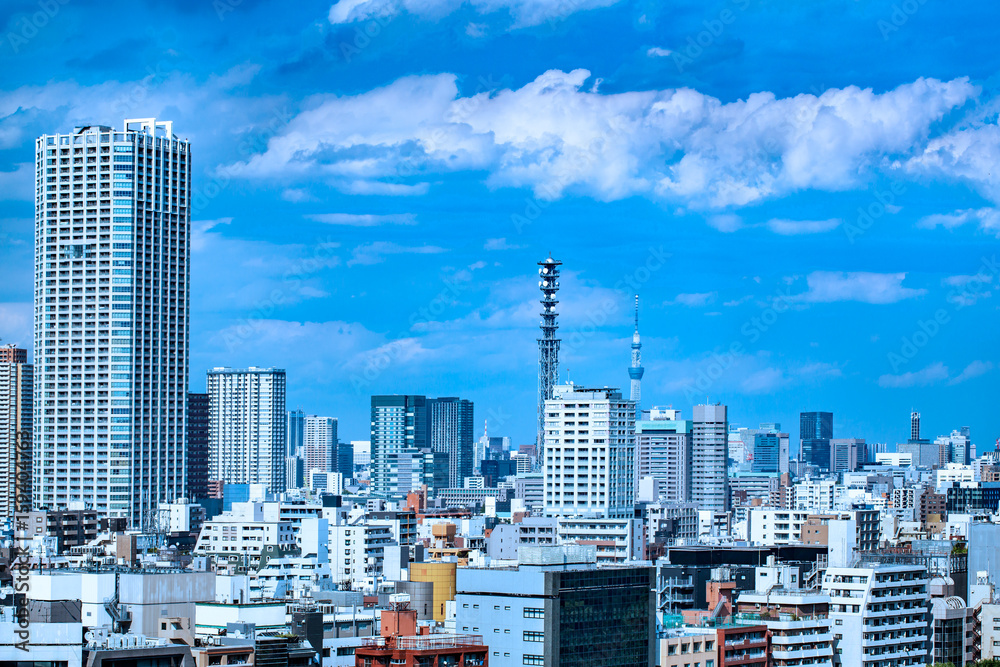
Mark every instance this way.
x=523 y=12
x=375 y=253
x=695 y=300
x=725 y=222
x=968 y=155
x=476 y=30
x=987 y=219
x=658 y=52
x=922 y=378
x=875 y=288
x=554 y=135
x=794 y=227
x=973 y=370
x=297 y=195
x=499 y=244
x=364 y=220
x=962 y=281
x=200 y=230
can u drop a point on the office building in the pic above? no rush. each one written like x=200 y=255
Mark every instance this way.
x=451 y=433
x=558 y=607
x=15 y=430
x=415 y=468
x=247 y=426
x=845 y=454
x=589 y=452
x=767 y=452
x=872 y=450
x=398 y=423
x=296 y=429
x=319 y=448
x=954 y=448
x=923 y=453
x=743 y=445
x=815 y=433
x=198 y=421
x=345 y=459
x=709 y=457
x=663 y=452
x=112 y=230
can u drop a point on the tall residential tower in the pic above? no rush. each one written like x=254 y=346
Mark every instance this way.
x=112 y=244
x=15 y=431
x=247 y=426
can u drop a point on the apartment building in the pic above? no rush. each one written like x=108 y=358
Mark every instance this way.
x=887 y=606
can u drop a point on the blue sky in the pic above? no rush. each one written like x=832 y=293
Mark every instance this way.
x=805 y=197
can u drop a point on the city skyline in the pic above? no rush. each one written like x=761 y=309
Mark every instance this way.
x=464 y=315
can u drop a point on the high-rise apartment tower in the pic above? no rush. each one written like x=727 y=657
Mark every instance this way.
x=247 y=426
x=112 y=243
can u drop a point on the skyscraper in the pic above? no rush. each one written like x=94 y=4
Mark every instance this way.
x=320 y=443
x=198 y=420
x=846 y=454
x=815 y=432
x=914 y=426
x=451 y=422
x=247 y=426
x=589 y=453
x=709 y=456
x=398 y=423
x=548 y=344
x=345 y=459
x=636 y=370
x=15 y=431
x=766 y=452
x=296 y=432
x=112 y=242
x=663 y=444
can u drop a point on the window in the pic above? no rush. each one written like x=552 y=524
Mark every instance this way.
x=531 y=636
x=534 y=612
x=531 y=659
x=839 y=621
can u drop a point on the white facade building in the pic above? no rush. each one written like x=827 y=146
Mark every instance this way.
x=244 y=531
x=112 y=241
x=358 y=552
x=771 y=527
x=880 y=615
x=953 y=472
x=816 y=494
x=589 y=452
x=247 y=426
x=615 y=540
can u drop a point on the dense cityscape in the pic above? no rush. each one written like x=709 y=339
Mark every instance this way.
x=492 y=333
x=150 y=525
